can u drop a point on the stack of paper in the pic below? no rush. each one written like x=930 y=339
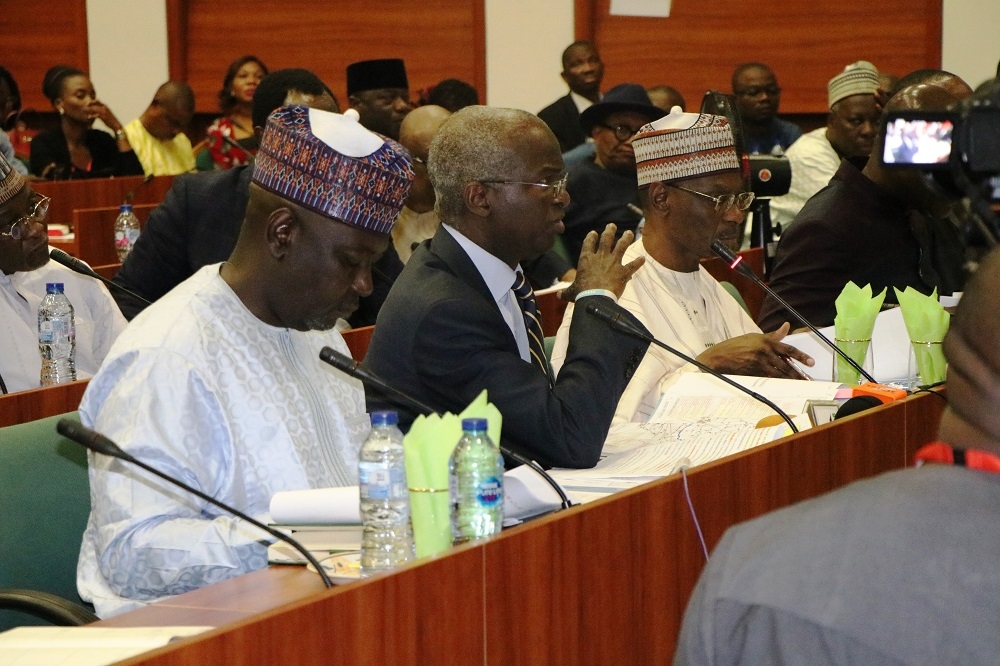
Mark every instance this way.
x=84 y=646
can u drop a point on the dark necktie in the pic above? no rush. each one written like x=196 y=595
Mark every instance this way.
x=536 y=341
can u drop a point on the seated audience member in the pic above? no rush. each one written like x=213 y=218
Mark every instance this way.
x=10 y=105
x=883 y=227
x=602 y=188
x=75 y=149
x=380 y=92
x=757 y=98
x=454 y=325
x=157 y=136
x=418 y=221
x=24 y=271
x=220 y=383
x=898 y=569
x=666 y=97
x=849 y=134
x=692 y=192
x=582 y=72
x=198 y=222
x=453 y=94
x=230 y=140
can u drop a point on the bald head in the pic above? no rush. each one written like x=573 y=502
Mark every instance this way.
x=972 y=348
x=170 y=112
x=419 y=128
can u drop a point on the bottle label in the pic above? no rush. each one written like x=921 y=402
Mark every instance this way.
x=133 y=235
x=379 y=481
x=489 y=492
x=51 y=331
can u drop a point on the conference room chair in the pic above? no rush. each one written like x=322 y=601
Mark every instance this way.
x=44 y=504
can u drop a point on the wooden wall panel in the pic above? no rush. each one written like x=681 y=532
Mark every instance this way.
x=438 y=39
x=805 y=42
x=38 y=35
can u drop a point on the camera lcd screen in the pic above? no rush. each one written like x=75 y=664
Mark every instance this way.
x=918 y=141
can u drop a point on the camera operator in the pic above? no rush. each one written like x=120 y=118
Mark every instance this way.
x=879 y=226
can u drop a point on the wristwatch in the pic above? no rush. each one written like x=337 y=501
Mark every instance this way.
x=119 y=133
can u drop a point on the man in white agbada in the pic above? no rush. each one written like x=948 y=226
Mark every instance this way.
x=219 y=383
x=690 y=187
x=24 y=271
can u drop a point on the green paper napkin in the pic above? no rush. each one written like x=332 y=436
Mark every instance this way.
x=428 y=447
x=853 y=326
x=926 y=323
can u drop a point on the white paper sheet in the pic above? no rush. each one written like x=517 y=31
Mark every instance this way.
x=890 y=349
x=320 y=506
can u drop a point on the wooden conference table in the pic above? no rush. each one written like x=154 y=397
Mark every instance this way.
x=604 y=583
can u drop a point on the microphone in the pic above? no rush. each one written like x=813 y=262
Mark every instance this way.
x=130 y=196
x=349 y=366
x=82 y=268
x=736 y=263
x=857 y=404
x=613 y=314
x=98 y=443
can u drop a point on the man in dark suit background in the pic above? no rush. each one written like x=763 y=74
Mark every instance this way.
x=582 y=72
x=458 y=321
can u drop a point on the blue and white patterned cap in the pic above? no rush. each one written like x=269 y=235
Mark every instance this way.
x=329 y=163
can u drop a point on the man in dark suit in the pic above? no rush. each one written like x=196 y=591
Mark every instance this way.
x=582 y=72
x=454 y=325
x=199 y=221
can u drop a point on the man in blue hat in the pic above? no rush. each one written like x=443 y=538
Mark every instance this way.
x=601 y=188
x=219 y=382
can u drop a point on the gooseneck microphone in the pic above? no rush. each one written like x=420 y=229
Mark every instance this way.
x=613 y=314
x=98 y=443
x=349 y=366
x=80 y=267
x=736 y=263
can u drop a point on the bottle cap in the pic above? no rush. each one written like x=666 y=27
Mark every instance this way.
x=125 y=208
x=387 y=418
x=53 y=287
x=473 y=425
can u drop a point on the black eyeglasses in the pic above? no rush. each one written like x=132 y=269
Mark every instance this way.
x=557 y=187
x=37 y=214
x=723 y=202
x=622 y=132
x=771 y=91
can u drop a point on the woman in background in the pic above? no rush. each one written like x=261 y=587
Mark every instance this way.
x=230 y=138
x=75 y=149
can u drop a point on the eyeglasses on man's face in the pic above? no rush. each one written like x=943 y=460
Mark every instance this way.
x=19 y=228
x=622 y=132
x=557 y=187
x=723 y=202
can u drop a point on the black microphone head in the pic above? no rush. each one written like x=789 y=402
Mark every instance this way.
x=340 y=361
x=616 y=317
x=855 y=405
x=734 y=260
x=84 y=436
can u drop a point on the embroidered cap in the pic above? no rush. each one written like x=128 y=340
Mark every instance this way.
x=376 y=74
x=859 y=78
x=330 y=164
x=11 y=182
x=684 y=145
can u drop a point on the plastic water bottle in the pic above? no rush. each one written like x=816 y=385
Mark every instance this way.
x=387 y=536
x=476 y=484
x=126 y=231
x=56 y=336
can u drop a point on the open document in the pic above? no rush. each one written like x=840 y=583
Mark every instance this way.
x=699 y=419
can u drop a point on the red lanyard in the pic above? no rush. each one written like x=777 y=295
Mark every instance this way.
x=939 y=452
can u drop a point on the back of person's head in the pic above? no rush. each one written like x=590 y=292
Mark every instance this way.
x=938 y=76
x=453 y=94
x=13 y=92
x=476 y=143
x=274 y=88
x=52 y=84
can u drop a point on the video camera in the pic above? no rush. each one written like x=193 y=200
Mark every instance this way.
x=959 y=150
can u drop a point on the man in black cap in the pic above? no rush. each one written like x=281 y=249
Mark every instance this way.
x=602 y=187
x=582 y=72
x=379 y=91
